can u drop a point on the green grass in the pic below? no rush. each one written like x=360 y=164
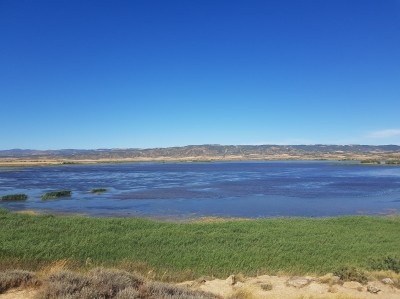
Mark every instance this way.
x=294 y=245
x=56 y=194
x=12 y=197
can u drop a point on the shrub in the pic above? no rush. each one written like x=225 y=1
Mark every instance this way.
x=266 y=286
x=243 y=293
x=388 y=263
x=239 y=277
x=351 y=274
x=15 y=278
x=107 y=283
x=159 y=290
x=56 y=194
x=98 y=283
x=64 y=284
x=128 y=293
x=12 y=197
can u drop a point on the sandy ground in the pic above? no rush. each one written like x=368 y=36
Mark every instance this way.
x=19 y=294
x=271 y=287
x=277 y=287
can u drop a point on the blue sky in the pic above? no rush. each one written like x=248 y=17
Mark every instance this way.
x=103 y=74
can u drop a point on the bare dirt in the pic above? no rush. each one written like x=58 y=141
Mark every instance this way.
x=271 y=287
x=277 y=287
x=19 y=294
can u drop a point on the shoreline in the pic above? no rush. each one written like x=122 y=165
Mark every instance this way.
x=195 y=219
x=352 y=159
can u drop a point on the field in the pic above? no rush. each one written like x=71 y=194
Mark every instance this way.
x=181 y=251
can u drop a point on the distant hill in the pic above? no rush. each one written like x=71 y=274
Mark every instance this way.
x=211 y=151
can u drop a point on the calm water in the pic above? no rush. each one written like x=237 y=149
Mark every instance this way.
x=243 y=189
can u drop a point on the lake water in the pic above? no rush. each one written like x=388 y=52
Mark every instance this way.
x=226 y=189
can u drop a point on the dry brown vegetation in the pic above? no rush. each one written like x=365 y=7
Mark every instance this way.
x=205 y=154
x=98 y=283
x=16 y=278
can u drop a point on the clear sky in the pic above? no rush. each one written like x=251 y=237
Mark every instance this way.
x=146 y=73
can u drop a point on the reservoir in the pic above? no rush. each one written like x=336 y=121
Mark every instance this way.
x=209 y=189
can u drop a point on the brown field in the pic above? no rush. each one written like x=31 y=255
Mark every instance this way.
x=51 y=161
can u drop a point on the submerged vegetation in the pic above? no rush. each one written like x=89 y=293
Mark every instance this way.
x=181 y=251
x=98 y=190
x=12 y=197
x=56 y=194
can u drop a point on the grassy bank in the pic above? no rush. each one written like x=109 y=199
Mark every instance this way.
x=188 y=250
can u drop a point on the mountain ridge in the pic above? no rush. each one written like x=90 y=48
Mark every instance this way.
x=205 y=150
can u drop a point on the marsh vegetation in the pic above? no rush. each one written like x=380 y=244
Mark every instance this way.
x=98 y=190
x=56 y=194
x=182 y=251
x=14 y=197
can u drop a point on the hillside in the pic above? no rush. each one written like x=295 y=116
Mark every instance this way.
x=209 y=152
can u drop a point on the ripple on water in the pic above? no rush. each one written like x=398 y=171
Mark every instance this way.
x=254 y=189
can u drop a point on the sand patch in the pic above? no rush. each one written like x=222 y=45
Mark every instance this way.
x=266 y=286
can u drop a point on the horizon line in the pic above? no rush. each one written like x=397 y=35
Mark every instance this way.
x=191 y=145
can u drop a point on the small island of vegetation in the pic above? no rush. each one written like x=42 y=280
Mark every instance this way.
x=98 y=190
x=14 y=197
x=56 y=194
x=374 y=162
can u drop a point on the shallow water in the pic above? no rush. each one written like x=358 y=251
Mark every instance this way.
x=226 y=189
